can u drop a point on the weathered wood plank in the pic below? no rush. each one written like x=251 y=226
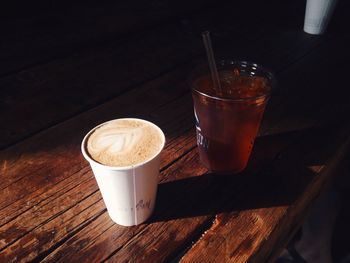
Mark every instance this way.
x=202 y=197
x=65 y=248
x=13 y=177
x=56 y=153
x=95 y=117
x=325 y=173
x=186 y=205
x=189 y=142
x=299 y=173
x=140 y=247
x=254 y=211
x=95 y=213
x=74 y=213
x=46 y=202
x=106 y=244
x=302 y=102
x=294 y=177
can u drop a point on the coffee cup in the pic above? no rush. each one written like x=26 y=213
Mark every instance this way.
x=317 y=15
x=125 y=168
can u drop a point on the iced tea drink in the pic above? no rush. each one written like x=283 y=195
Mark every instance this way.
x=228 y=121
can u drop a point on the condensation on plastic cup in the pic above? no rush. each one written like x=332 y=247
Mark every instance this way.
x=317 y=15
x=129 y=192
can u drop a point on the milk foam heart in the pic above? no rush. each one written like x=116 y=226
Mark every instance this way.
x=124 y=142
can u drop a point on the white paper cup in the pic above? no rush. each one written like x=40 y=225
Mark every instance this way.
x=128 y=192
x=317 y=15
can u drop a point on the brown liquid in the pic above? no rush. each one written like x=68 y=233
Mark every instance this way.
x=227 y=125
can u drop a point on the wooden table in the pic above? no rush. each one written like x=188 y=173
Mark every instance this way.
x=67 y=69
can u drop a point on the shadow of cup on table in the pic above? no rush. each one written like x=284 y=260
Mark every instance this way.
x=212 y=194
x=272 y=179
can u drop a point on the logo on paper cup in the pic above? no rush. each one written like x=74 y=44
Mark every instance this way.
x=143 y=204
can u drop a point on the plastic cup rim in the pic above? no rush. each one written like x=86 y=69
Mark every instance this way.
x=267 y=72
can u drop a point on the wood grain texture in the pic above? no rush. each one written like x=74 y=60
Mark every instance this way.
x=65 y=249
x=86 y=207
x=295 y=180
x=188 y=200
x=119 y=107
x=50 y=207
x=298 y=174
x=56 y=164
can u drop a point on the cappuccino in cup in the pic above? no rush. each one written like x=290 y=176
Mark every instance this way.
x=124 y=156
x=124 y=142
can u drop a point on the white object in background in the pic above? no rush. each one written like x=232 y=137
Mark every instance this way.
x=317 y=15
x=129 y=192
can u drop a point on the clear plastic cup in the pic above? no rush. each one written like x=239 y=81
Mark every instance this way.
x=227 y=123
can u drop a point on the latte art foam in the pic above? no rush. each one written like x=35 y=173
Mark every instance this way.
x=124 y=142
